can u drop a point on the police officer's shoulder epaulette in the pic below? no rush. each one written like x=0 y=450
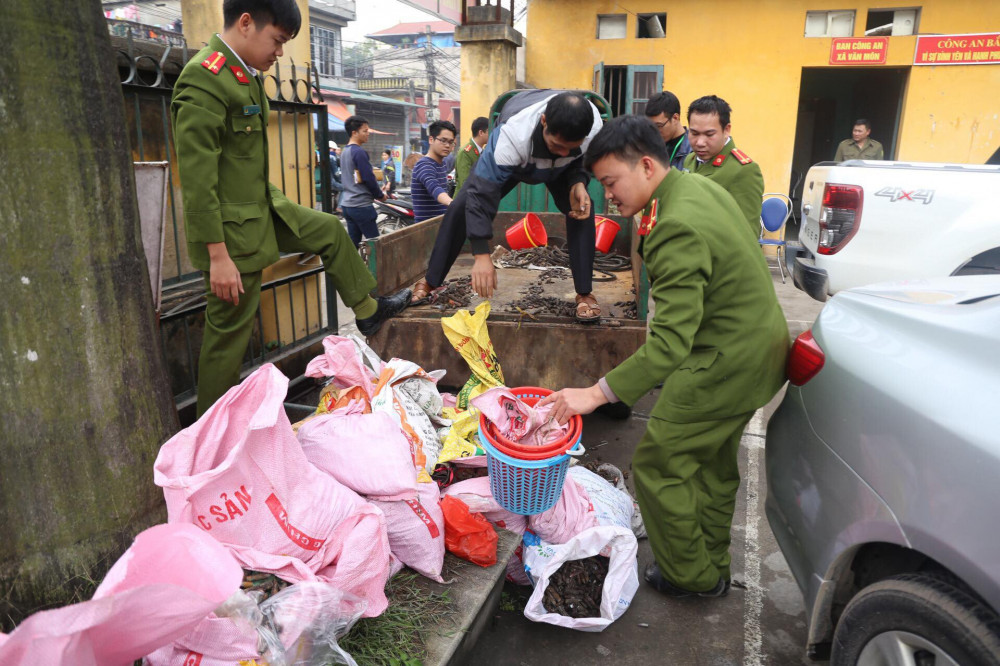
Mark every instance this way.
x=719 y=159
x=741 y=157
x=214 y=62
x=240 y=75
x=468 y=147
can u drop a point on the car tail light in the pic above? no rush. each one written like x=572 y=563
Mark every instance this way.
x=840 y=217
x=805 y=360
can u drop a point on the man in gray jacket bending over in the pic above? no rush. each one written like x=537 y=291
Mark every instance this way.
x=540 y=137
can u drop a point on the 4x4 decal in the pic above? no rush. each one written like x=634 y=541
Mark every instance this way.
x=899 y=194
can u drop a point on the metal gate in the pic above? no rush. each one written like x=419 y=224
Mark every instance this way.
x=298 y=305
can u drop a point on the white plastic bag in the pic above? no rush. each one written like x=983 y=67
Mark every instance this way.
x=541 y=560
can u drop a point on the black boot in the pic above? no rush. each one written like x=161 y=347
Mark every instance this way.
x=662 y=585
x=388 y=307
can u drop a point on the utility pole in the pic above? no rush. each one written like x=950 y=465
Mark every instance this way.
x=431 y=74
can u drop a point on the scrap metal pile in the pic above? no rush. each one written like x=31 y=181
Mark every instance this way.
x=575 y=589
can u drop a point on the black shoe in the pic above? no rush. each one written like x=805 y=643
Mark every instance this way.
x=388 y=307
x=615 y=410
x=662 y=585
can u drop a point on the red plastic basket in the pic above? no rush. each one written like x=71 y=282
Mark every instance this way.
x=531 y=395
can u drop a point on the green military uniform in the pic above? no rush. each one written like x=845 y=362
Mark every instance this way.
x=220 y=115
x=737 y=174
x=718 y=342
x=848 y=150
x=465 y=162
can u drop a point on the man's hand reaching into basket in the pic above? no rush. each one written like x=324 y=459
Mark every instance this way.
x=571 y=401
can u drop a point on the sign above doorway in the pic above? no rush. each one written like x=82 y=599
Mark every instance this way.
x=854 y=51
x=981 y=49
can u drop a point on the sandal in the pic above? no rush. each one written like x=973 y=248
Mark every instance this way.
x=421 y=292
x=587 y=308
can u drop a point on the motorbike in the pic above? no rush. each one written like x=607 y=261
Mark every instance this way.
x=393 y=214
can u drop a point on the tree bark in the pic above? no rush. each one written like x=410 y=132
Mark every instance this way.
x=84 y=398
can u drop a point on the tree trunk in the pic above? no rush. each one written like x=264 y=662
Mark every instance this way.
x=84 y=399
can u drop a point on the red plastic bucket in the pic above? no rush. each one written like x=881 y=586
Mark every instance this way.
x=607 y=229
x=526 y=233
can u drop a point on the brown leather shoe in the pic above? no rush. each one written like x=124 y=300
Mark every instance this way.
x=421 y=292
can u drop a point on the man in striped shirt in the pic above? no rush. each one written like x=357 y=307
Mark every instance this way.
x=429 y=185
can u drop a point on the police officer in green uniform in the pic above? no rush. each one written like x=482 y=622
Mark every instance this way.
x=860 y=146
x=235 y=221
x=716 y=156
x=718 y=342
x=467 y=157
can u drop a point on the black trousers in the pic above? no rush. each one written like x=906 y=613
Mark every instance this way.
x=579 y=237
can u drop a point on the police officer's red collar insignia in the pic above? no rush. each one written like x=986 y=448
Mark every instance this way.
x=741 y=157
x=719 y=159
x=240 y=75
x=648 y=220
x=214 y=62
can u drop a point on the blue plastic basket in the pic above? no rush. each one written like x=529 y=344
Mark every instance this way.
x=526 y=487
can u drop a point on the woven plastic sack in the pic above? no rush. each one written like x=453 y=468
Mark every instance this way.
x=469 y=336
x=541 y=560
x=160 y=588
x=461 y=439
x=344 y=363
x=368 y=453
x=240 y=474
x=515 y=420
x=390 y=398
x=416 y=531
x=468 y=535
x=573 y=513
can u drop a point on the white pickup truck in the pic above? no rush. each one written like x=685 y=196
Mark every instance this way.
x=866 y=221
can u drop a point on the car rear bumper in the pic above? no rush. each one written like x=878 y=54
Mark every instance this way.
x=810 y=279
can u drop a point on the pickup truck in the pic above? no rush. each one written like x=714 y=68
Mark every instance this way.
x=871 y=221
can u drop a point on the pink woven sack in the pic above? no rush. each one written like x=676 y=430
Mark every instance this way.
x=164 y=585
x=416 y=531
x=368 y=453
x=240 y=475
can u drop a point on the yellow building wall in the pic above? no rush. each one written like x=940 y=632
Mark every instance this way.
x=752 y=55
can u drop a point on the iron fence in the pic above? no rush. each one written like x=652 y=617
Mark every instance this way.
x=298 y=302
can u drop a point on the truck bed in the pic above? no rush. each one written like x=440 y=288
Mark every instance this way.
x=546 y=350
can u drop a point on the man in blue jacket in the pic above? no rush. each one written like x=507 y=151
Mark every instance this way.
x=358 y=180
x=540 y=137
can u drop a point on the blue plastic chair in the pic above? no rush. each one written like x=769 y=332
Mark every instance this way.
x=774 y=213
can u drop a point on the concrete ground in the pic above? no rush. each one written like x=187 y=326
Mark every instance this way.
x=763 y=623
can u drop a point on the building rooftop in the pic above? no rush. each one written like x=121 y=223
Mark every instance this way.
x=415 y=28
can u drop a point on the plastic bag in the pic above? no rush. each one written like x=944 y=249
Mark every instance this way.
x=160 y=588
x=541 y=560
x=461 y=440
x=469 y=336
x=298 y=626
x=309 y=617
x=366 y=452
x=468 y=535
x=240 y=475
x=477 y=496
x=416 y=531
x=610 y=505
x=607 y=469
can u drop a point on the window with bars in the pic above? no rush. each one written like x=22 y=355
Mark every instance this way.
x=627 y=88
x=325 y=48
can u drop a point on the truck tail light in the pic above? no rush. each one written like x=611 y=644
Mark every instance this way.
x=840 y=217
x=805 y=359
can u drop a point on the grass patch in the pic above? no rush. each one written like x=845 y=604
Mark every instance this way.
x=395 y=638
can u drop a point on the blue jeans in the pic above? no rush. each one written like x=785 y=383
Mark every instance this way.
x=360 y=221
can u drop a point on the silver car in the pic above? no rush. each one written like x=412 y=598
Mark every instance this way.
x=883 y=470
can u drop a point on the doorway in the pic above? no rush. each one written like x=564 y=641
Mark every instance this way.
x=830 y=100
